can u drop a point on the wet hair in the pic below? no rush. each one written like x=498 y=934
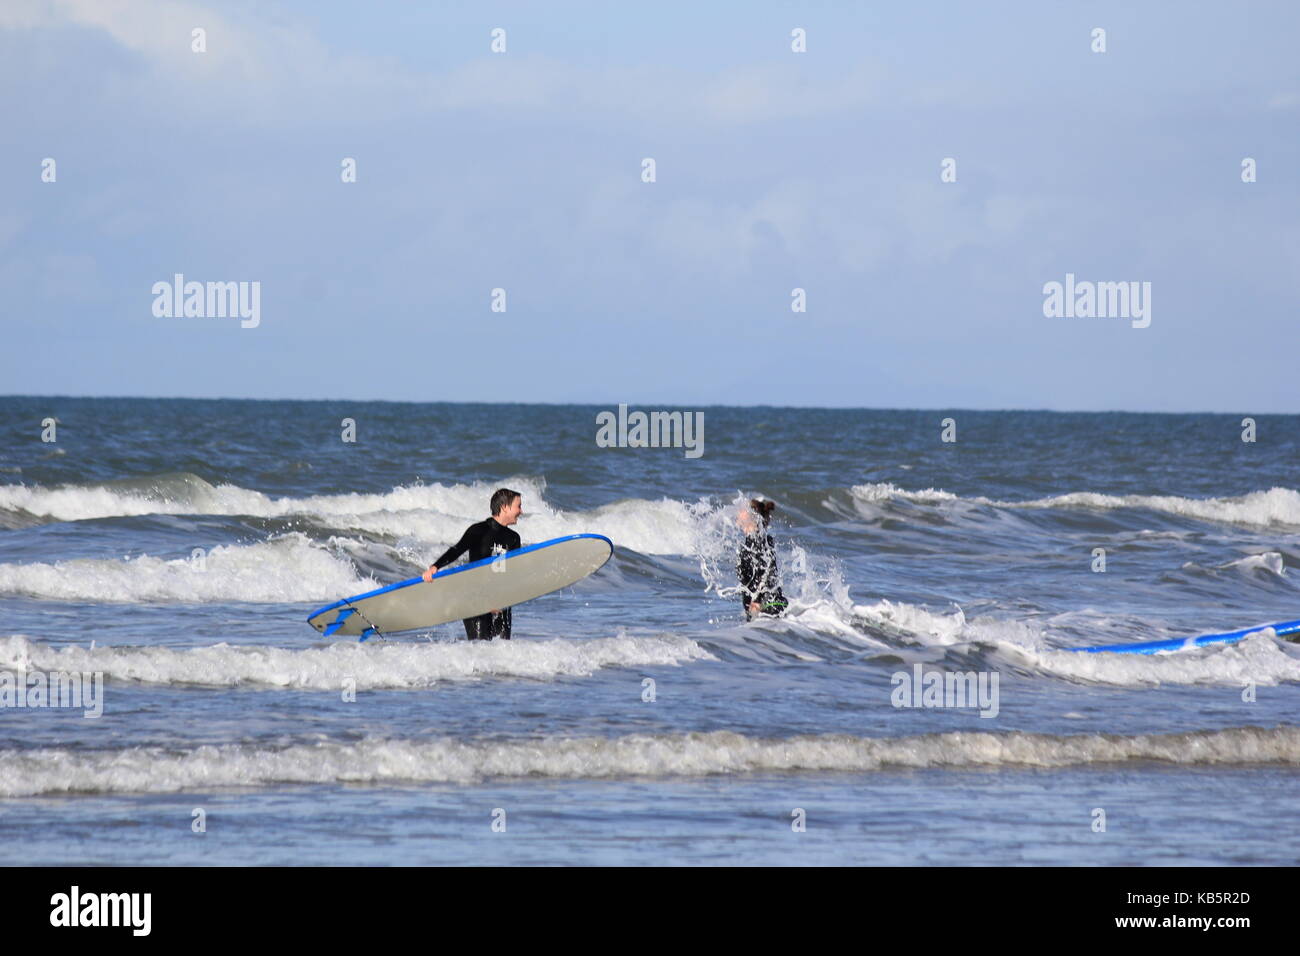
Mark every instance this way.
x=762 y=508
x=502 y=498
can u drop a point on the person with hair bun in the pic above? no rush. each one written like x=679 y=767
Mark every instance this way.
x=760 y=589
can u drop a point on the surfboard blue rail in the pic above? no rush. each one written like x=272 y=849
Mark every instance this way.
x=1282 y=629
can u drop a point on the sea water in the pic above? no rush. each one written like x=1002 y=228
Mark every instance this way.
x=173 y=549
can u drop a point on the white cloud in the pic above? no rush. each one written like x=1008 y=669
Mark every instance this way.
x=280 y=73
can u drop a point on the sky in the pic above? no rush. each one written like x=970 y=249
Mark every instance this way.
x=775 y=170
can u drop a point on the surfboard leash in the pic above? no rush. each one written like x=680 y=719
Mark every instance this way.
x=369 y=631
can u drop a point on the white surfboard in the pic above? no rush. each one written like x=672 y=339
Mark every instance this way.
x=467 y=590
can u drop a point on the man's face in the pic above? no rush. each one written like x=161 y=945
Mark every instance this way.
x=511 y=512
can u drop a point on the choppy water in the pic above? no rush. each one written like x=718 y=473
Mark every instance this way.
x=897 y=549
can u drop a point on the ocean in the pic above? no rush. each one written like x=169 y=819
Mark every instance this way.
x=173 y=549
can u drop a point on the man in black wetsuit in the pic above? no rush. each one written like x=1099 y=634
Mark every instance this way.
x=482 y=540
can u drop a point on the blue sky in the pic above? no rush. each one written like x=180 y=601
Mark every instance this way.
x=775 y=170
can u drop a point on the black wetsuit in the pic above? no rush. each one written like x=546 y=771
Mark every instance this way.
x=483 y=540
x=756 y=569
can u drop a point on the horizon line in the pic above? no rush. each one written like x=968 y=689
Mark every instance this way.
x=658 y=405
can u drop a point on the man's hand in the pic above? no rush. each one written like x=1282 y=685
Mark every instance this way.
x=754 y=607
x=428 y=575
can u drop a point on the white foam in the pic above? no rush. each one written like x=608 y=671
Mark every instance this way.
x=1259 y=659
x=877 y=491
x=1270 y=561
x=371 y=666
x=936 y=629
x=1277 y=506
x=927 y=627
x=433 y=515
x=288 y=568
x=386 y=761
x=186 y=493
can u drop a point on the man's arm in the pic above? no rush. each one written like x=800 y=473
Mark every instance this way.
x=451 y=554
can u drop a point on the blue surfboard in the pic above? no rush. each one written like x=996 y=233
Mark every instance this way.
x=1283 y=629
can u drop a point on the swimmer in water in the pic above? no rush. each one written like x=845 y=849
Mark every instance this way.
x=760 y=589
